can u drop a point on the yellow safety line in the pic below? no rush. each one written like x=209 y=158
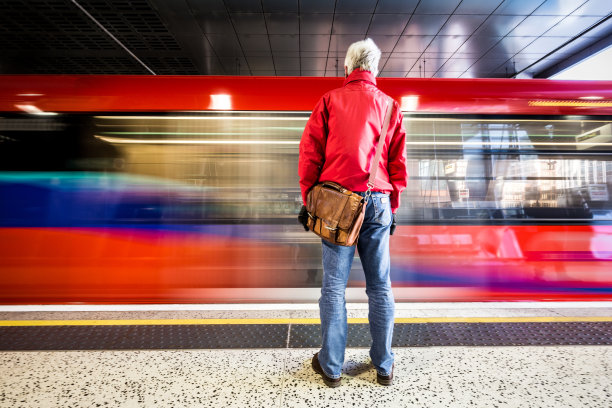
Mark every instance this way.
x=409 y=320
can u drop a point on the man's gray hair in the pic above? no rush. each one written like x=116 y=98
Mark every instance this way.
x=364 y=55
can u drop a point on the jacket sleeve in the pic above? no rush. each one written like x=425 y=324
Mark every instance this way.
x=312 y=147
x=396 y=162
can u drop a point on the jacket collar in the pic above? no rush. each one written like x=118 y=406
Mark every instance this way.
x=360 y=75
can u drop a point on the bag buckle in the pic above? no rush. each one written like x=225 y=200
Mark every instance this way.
x=368 y=193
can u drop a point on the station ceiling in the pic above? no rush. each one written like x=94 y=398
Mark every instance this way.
x=418 y=38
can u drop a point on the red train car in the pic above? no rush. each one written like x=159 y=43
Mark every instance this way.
x=184 y=189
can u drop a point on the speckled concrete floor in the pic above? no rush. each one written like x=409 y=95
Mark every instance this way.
x=570 y=376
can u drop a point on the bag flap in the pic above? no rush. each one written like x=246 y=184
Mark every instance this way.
x=351 y=211
x=336 y=208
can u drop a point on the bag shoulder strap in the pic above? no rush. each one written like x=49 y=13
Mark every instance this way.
x=381 y=143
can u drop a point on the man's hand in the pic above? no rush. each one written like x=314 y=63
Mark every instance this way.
x=393 y=225
x=303 y=218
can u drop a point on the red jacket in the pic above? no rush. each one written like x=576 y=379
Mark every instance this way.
x=341 y=135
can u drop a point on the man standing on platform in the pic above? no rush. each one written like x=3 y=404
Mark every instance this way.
x=339 y=144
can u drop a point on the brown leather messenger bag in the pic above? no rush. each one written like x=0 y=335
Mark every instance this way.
x=336 y=213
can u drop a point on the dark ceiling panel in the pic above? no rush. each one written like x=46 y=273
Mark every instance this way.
x=249 y=23
x=426 y=24
x=284 y=43
x=388 y=24
x=187 y=30
x=213 y=66
x=285 y=54
x=355 y=6
x=317 y=73
x=215 y=23
x=273 y=6
x=314 y=42
x=225 y=45
x=28 y=26
x=293 y=72
x=437 y=6
x=317 y=6
x=462 y=24
x=351 y=23
x=171 y=65
x=214 y=36
x=283 y=64
x=254 y=43
x=313 y=54
x=243 y=6
x=316 y=23
x=266 y=72
x=260 y=63
x=203 y=6
x=396 y=6
x=83 y=65
x=282 y=23
x=313 y=64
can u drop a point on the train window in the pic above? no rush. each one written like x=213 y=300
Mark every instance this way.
x=237 y=166
x=474 y=169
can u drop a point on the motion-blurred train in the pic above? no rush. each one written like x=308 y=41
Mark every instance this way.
x=185 y=189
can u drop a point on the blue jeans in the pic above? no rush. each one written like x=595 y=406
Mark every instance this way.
x=373 y=247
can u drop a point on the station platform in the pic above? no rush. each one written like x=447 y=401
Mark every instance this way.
x=519 y=354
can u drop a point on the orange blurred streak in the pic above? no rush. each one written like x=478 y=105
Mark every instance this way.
x=73 y=261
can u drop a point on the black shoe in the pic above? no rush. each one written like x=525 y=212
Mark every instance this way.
x=330 y=382
x=385 y=379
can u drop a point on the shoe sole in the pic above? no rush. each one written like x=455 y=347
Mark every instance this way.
x=331 y=384
x=384 y=382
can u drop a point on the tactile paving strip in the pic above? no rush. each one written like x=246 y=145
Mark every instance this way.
x=142 y=337
x=469 y=334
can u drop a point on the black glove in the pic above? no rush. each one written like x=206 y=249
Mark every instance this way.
x=303 y=218
x=393 y=225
